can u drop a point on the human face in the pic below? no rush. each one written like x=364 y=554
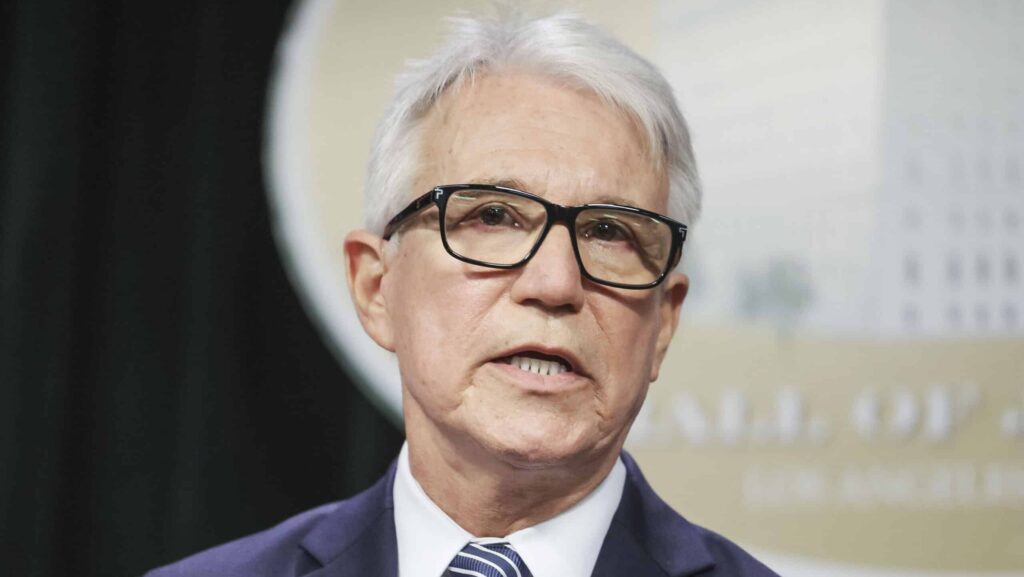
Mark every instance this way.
x=455 y=327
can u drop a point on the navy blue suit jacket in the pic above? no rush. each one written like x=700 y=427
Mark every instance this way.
x=356 y=538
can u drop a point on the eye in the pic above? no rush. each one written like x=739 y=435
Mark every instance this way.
x=607 y=231
x=495 y=215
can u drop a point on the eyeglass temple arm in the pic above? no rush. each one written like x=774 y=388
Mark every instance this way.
x=679 y=250
x=416 y=206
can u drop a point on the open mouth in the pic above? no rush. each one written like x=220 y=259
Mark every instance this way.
x=538 y=363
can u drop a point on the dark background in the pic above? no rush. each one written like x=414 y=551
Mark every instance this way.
x=161 y=387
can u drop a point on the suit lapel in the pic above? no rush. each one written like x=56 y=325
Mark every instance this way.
x=647 y=537
x=621 y=555
x=357 y=538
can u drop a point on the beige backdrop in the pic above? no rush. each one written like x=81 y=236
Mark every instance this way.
x=831 y=452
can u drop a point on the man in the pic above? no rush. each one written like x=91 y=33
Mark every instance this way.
x=520 y=264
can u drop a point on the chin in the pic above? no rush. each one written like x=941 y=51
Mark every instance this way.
x=540 y=447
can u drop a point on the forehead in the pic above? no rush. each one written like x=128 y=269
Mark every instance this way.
x=557 y=141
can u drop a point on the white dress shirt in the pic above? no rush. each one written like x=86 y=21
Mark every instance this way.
x=566 y=545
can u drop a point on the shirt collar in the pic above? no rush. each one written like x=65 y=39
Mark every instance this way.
x=566 y=544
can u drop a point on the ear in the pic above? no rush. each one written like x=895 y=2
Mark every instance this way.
x=674 y=293
x=365 y=269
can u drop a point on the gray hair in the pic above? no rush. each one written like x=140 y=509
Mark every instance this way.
x=562 y=46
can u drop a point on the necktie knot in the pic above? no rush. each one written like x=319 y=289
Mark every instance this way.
x=487 y=560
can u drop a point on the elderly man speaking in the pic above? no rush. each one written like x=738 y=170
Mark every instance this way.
x=528 y=199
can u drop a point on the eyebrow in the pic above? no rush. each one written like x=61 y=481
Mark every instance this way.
x=611 y=199
x=505 y=182
x=518 y=185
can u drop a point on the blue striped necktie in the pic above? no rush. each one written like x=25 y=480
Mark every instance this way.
x=490 y=560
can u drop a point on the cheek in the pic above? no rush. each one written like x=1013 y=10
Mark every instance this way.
x=434 y=318
x=630 y=331
x=630 y=327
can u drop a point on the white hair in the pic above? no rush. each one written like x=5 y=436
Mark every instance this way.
x=562 y=46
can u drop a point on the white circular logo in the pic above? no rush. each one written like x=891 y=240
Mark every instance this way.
x=307 y=232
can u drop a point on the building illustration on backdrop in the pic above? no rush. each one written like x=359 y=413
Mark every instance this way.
x=874 y=148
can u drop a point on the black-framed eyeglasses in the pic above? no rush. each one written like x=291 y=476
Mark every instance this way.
x=501 y=227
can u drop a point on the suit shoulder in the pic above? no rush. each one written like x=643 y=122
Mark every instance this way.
x=730 y=558
x=678 y=546
x=274 y=551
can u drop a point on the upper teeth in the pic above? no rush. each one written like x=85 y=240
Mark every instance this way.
x=539 y=366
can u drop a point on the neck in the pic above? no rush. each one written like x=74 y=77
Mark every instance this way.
x=491 y=496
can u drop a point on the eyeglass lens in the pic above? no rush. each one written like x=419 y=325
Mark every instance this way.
x=501 y=228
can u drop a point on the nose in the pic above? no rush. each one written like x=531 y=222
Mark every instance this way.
x=552 y=278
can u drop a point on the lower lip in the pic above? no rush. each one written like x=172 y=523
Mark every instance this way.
x=540 y=383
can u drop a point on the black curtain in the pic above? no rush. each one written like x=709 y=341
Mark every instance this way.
x=161 y=388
